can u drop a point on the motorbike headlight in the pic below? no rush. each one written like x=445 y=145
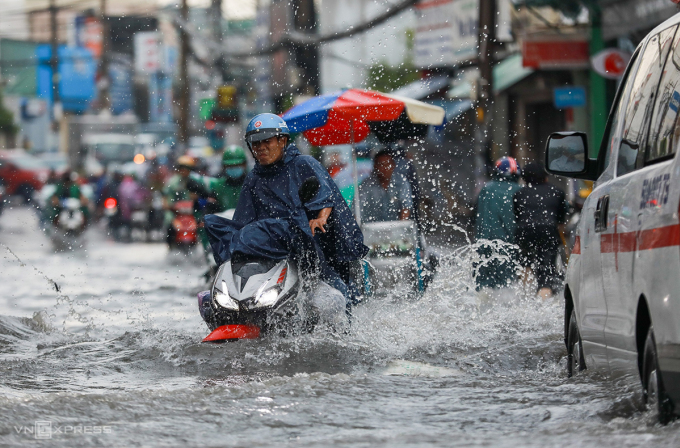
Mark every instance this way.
x=268 y=297
x=225 y=301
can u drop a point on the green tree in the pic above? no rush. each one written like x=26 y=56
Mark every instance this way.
x=386 y=78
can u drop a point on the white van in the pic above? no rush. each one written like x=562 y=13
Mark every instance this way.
x=622 y=289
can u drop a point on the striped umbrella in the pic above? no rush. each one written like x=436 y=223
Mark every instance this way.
x=349 y=115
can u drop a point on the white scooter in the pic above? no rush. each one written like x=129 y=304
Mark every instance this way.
x=253 y=295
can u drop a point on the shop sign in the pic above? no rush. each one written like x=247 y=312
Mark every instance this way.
x=570 y=96
x=226 y=108
x=147 y=52
x=555 y=53
x=610 y=63
x=89 y=34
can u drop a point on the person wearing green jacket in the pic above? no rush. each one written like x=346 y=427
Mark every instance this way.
x=67 y=187
x=221 y=193
x=227 y=188
x=495 y=229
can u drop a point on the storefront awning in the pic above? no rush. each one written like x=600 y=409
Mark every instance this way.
x=506 y=73
x=453 y=108
x=422 y=88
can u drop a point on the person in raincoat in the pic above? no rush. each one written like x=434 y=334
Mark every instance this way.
x=540 y=208
x=67 y=187
x=271 y=219
x=495 y=230
x=176 y=189
x=223 y=191
x=218 y=194
x=385 y=195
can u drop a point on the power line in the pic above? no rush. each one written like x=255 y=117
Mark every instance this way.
x=293 y=39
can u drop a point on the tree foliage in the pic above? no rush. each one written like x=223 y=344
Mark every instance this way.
x=386 y=78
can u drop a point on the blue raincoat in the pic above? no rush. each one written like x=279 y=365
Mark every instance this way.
x=270 y=221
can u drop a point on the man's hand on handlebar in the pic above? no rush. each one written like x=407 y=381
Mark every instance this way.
x=320 y=220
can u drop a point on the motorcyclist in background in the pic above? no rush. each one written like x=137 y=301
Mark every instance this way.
x=176 y=190
x=131 y=196
x=222 y=192
x=67 y=187
x=217 y=194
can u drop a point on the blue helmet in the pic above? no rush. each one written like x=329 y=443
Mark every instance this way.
x=264 y=126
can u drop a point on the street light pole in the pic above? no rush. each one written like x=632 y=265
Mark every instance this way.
x=486 y=40
x=184 y=91
x=104 y=63
x=54 y=57
x=216 y=7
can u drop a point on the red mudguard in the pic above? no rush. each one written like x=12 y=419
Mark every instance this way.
x=233 y=332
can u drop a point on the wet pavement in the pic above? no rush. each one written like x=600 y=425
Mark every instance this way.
x=100 y=346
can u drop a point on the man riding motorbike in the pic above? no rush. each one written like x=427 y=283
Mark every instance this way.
x=218 y=194
x=175 y=190
x=227 y=188
x=272 y=220
x=67 y=187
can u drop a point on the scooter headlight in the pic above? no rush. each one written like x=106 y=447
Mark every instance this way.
x=225 y=301
x=268 y=297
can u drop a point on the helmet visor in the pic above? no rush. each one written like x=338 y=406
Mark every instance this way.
x=261 y=134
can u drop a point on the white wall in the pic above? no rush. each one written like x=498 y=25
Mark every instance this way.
x=13 y=20
x=386 y=42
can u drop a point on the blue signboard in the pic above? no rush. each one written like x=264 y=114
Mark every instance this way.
x=77 y=71
x=120 y=90
x=570 y=96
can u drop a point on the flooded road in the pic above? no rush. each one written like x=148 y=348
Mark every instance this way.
x=101 y=346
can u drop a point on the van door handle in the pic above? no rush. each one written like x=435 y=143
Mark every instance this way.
x=601 y=213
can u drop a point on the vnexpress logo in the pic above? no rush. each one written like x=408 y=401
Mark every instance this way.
x=39 y=430
x=43 y=430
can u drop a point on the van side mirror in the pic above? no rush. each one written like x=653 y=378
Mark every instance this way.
x=566 y=154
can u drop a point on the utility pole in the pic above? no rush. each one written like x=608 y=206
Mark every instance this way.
x=54 y=57
x=104 y=62
x=216 y=8
x=184 y=91
x=598 y=89
x=486 y=32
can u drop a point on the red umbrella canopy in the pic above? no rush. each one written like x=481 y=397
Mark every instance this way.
x=341 y=117
x=366 y=105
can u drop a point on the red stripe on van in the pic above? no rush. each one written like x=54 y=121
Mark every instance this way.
x=577 y=245
x=643 y=240
x=660 y=237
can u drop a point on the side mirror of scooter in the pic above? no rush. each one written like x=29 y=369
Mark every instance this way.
x=308 y=190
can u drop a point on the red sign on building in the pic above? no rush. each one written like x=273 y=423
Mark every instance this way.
x=555 y=52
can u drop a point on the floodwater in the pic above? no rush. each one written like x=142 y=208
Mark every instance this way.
x=101 y=346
